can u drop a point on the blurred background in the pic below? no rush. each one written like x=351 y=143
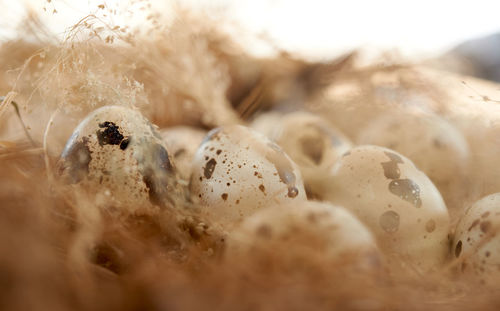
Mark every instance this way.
x=458 y=35
x=315 y=29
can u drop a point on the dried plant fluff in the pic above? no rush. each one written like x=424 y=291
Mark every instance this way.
x=58 y=252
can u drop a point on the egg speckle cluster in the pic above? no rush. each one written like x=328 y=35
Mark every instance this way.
x=477 y=240
x=116 y=150
x=433 y=144
x=237 y=171
x=397 y=202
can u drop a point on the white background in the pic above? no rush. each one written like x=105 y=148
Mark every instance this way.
x=314 y=28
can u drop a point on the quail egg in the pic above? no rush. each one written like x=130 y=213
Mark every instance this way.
x=477 y=240
x=307 y=227
x=118 y=152
x=397 y=202
x=434 y=145
x=237 y=171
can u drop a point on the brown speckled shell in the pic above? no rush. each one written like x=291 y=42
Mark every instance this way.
x=118 y=152
x=397 y=202
x=477 y=240
x=237 y=171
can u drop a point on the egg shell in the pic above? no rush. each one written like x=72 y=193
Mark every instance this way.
x=310 y=141
x=118 y=152
x=397 y=202
x=433 y=144
x=237 y=171
x=182 y=143
x=477 y=240
x=267 y=123
x=308 y=229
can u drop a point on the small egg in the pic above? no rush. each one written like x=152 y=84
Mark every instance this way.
x=237 y=171
x=117 y=151
x=182 y=143
x=267 y=123
x=397 y=202
x=434 y=145
x=477 y=240
x=309 y=228
x=310 y=141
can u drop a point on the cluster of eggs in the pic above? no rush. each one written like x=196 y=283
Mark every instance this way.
x=294 y=175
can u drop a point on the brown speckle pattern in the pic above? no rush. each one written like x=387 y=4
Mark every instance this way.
x=209 y=168
x=109 y=134
x=391 y=169
x=389 y=221
x=430 y=226
x=115 y=151
x=407 y=190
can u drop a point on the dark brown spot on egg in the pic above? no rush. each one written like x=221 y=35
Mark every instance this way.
x=124 y=143
x=110 y=134
x=262 y=188
x=209 y=168
x=487 y=254
x=389 y=221
x=224 y=196
x=407 y=190
x=485 y=215
x=437 y=143
x=430 y=226
x=391 y=169
x=458 y=249
x=218 y=151
x=485 y=226
x=293 y=192
x=312 y=147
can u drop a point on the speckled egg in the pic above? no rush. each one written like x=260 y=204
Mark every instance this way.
x=117 y=151
x=305 y=228
x=237 y=171
x=310 y=141
x=477 y=240
x=182 y=143
x=433 y=144
x=397 y=202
